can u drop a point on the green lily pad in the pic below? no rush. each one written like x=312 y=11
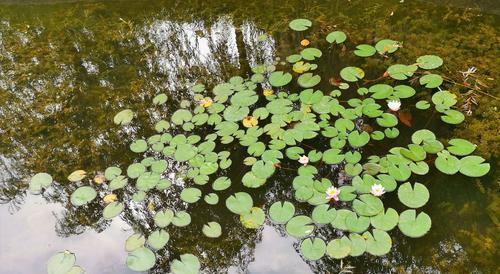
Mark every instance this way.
x=413 y=197
x=378 y=243
x=339 y=248
x=300 y=226
x=323 y=214
x=401 y=72
x=112 y=210
x=365 y=50
x=158 y=239
x=423 y=134
x=453 y=117
x=280 y=78
x=239 y=203
x=212 y=230
x=181 y=219
x=357 y=139
x=412 y=225
x=474 y=166
x=311 y=53
x=112 y=172
x=40 y=181
x=386 y=46
x=281 y=212
x=253 y=219
x=135 y=170
x=134 y=241
x=83 y=195
x=61 y=262
x=141 y=259
x=352 y=74
x=357 y=224
x=77 y=175
x=308 y=80
x=190 y=195
x=181 y=116
x=422 y=105
x=461 y=147
x=123 y=117
x=446 y=163
x=300 y=24
x=313 y=248
x=431 y=80
x=163 y=217
x=385 y=221
x=184 y=152
x=211 y=198
x=189 y=264
x=429 y=61
x=160 y=99
x=336 y=36
x=358 y=245
x=368 y=205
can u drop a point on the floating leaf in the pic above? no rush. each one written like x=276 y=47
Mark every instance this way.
x=123 y=117
x=300 y=24
x=181 y=116
x=385 y=221
x=368 y=205
x=323 y=214
x=239 y=203
x=352 y=74
x=211 y=199
x=308 y=80
x=221 y=183
x=412 y=225
x=401 y=72
x=453 y=117
x=280 y=78
x=158 y=239
x=357 y=224
x=181 y=219
x=77 y=175
x=83 y=195
x=339 y=248
x=160 y=99
x=336 y=36
x=313 y=248
x=190 y=195
x=365 y=50
x=189 y=264
x=134 y=242
x=281 y=212
x=61 y=263
x=112 y=210
x=474 y=166
x=311 y=53
x=378 y=243
x=212 y=230
x=40 y=181
x=446 y=163
x=139 y=146
x=461 y=147
x=299 y=226
x=431 y=80
x=413 y=197
x=185 y=152
x=253 y=219
x=429 y=61
x=112 y=172
x=163 y=218
x=141 y=259
x=358 y=244
x=387 y=46
x=422 y=104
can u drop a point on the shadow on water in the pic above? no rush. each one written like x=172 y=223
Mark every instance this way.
x=67 y=68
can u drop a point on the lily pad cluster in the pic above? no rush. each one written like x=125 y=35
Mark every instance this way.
x=281 y=116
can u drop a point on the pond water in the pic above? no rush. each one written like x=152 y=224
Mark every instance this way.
x=66 y=68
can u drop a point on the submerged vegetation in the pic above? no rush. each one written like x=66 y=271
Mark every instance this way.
x=285 y=118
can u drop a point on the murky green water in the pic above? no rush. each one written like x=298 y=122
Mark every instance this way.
x=67 y=68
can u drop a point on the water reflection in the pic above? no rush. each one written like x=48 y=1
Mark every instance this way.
x=61 y=84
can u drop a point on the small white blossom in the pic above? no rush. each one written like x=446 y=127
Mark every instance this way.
x=304 y=160
x=394 y=105
x=332 y=193
x=377 y=190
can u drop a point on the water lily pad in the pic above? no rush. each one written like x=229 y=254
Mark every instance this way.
x=429 y=61
x=453 y=117
x=160 y=99
x=423 y=134
x=357 y=139
x=431 y=80
x=163 y=218
x=323 y=214
x=83 y=195
x=313 y=248
x=40 y=181
x=385 y=221
x=308 y=80
x=77 y=175
x=61 y=262
x=378 y=243
x=339 y=221
x=134 y=241
x=211 y=198
x=365 y=50
x=447 y=163
x=141 y=259
x=253 y=219
x=300 y=226
x=300 y=24
x=311 y=53
x=413 y=197
x=184 y=152
x=123 y=117
x=461 y=147
x=339 y=248
x=112 y=210
x=422 y=105
x=239 y=203
x=412 y=225
x=135 y=170
x=281 y=212
x=358 y=245
x=279 y=79
x=474 y=166
x=212 y=230
x=112 y=172
x=221 y=183
x=368 y=205
x=190 y=195
x=336 y=36
x=357 y=224
x=181 y=219
x=381 y=91
x=386 y=46
x=158 y=239
x=189 y=264
x=401 y=72
x=352 y=74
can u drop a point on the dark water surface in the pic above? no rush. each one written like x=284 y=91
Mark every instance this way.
x=66 y=68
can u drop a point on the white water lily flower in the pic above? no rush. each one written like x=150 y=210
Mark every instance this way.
x=304 y=159
x=377 y=190
x=394 y=105
x=332 y=193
